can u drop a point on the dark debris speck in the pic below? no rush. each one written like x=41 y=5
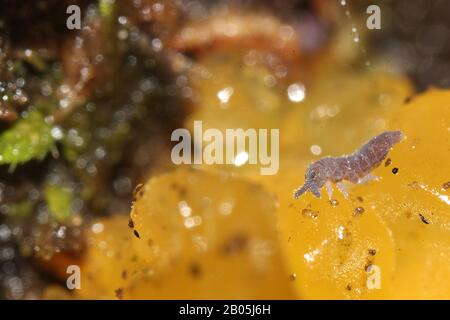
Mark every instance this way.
x=308 y=212
x=235 y=244
x=408 y=99
x=119 y=293
x=423 y=219
x=387 y=162
x=195 y=270
x=334 y=202
x=179 y=189
x=368 y=267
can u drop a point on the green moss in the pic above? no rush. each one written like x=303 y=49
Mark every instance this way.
x=106 y=8
x=29 y=138
x=59 y=201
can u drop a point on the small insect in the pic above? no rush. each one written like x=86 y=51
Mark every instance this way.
x=355 y=168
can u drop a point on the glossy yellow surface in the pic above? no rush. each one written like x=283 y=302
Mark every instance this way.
x=341 y=111
x=415 y=202
x=236 y=90
x=330 y=246
x=226 y=233
x=196 y=235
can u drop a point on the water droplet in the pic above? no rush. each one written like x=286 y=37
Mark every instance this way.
x=184 y=209
x=122 y=20
x=97 y=227
x=311 y=256
x=122 y=34
x=296 y=92
x=5 y=232
x=61 y=233
x=340 y=232
x=355 y=33
x=225 y=208
x=224 y=95
x=157 y=44
x=316 y=149
x=56 y=133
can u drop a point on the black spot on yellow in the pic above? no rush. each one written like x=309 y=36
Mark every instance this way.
x=424 y=220
x=387 y=162
x=195 y=270
x=236 y=244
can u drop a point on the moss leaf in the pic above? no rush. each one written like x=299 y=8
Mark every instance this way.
x=59 y=201
x=29 y=138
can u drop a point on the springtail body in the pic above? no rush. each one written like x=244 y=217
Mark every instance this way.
x=355 y=167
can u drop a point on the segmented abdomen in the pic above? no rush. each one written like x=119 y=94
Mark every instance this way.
x=370 y=155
